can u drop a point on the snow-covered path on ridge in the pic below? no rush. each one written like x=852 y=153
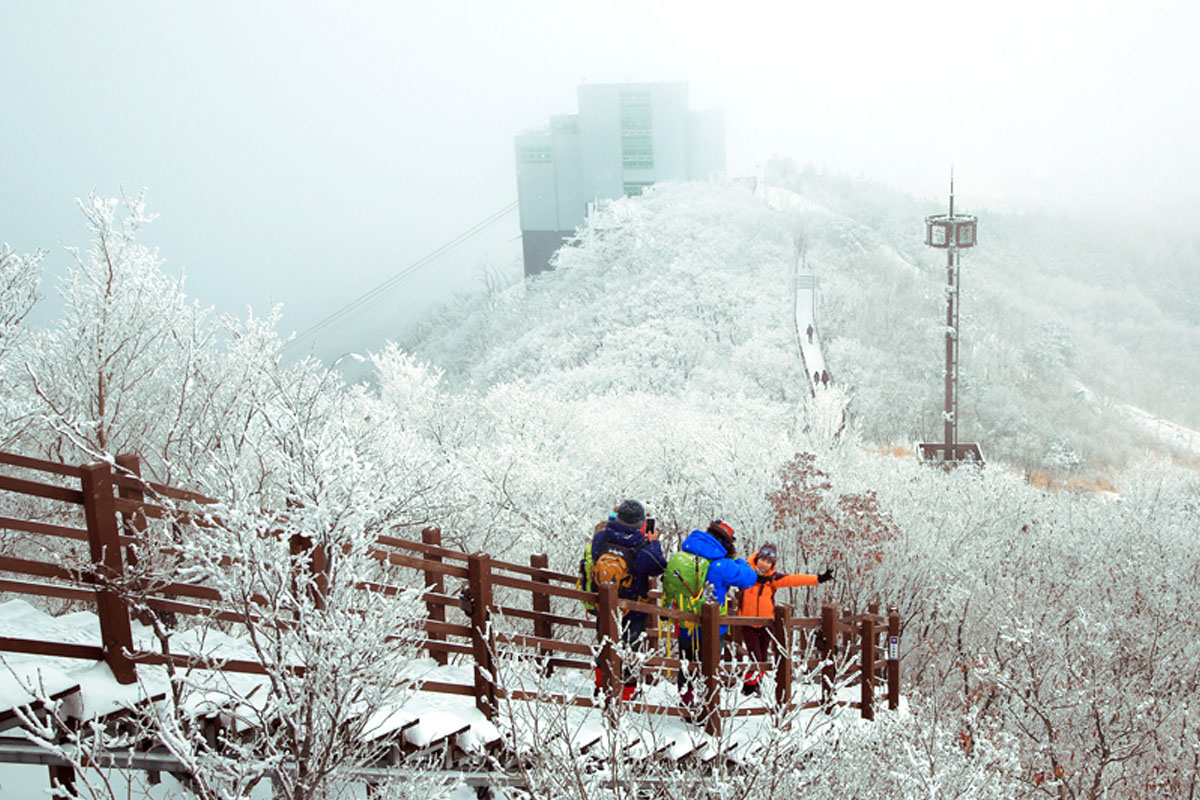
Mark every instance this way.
x=806 y=292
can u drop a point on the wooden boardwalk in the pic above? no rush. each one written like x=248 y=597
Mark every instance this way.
x=515 y=611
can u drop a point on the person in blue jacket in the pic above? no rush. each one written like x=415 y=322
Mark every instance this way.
x=627 y=534
x=725 y=571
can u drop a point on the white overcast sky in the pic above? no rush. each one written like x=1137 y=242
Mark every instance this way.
x=304 y=152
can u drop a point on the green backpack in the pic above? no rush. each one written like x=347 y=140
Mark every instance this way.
x=683 y=585
x=584 y=581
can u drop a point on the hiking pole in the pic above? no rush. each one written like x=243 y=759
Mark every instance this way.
x=661 y=604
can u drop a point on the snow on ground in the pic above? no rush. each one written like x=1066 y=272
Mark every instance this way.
x=100 y=693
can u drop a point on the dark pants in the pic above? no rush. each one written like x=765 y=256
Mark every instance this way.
x=633 y=626
x=759 y=643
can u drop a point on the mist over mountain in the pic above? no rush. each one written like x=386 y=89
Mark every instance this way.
x=687 y=290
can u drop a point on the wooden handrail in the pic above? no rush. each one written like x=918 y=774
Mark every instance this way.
x=458 y=555
x=37 y=647
x=44 y=528
x=41 y=465
x=46 y=490
x=162 y=490
x=853 y=639
x=48 y=590
x=39 y=569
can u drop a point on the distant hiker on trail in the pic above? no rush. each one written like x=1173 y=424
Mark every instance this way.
x=817 y=378
x=825 y=378
x=703 y=571
x=810 y=333
x=626 y=552
x=759 y=601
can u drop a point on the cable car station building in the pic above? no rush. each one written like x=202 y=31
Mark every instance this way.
x=625 y=137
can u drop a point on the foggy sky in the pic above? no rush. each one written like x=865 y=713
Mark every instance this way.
x=303 y=153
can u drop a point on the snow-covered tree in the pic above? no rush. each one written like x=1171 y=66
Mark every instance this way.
x=19 y=282
x=115 y=372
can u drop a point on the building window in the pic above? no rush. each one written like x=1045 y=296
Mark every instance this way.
x=637 y=142
x=534 y=154
x=637 y=154
x=635 y=111
x=634 y=189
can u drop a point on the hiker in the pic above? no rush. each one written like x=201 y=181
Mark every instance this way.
x=626 y=552
x=759 y=601
x=703 y=571
x=825 y=378
x=810 y=333
x=817 y=378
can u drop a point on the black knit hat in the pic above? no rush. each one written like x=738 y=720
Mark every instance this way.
x=631 y=512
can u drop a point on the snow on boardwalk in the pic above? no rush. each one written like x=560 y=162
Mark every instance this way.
x=98 y=692
x=426 y=719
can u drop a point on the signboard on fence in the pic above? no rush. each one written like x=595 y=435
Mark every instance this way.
x=893 y=648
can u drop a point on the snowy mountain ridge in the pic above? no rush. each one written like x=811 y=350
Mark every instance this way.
x=687 y=289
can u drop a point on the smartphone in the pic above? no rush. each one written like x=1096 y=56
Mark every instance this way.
x=649 y=524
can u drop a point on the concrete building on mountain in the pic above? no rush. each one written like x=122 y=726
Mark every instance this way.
x=625 y=137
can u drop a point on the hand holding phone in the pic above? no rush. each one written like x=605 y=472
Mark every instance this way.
x=651 y=534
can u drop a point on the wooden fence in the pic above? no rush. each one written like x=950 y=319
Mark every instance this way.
x=117 y=503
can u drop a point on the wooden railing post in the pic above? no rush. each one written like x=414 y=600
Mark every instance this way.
x=104 y=542
x=321 y=567
x=134 y=524
x=541 y=602
x=829 y=616
x=710 y=664
x=732 y=607
x=543 y=628
x=652 y=621
x=781 y=629
x=893 y=663
x=867 y=666
x=608 y=631
x=479 y=578
x=435 y=582
x=62 y=778
x=314 y=559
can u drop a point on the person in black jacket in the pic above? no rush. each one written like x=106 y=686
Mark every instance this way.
x=629 y=546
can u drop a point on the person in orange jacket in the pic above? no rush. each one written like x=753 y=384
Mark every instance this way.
x=759 y=601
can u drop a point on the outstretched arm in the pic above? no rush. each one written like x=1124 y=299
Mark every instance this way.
x=799 y=579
